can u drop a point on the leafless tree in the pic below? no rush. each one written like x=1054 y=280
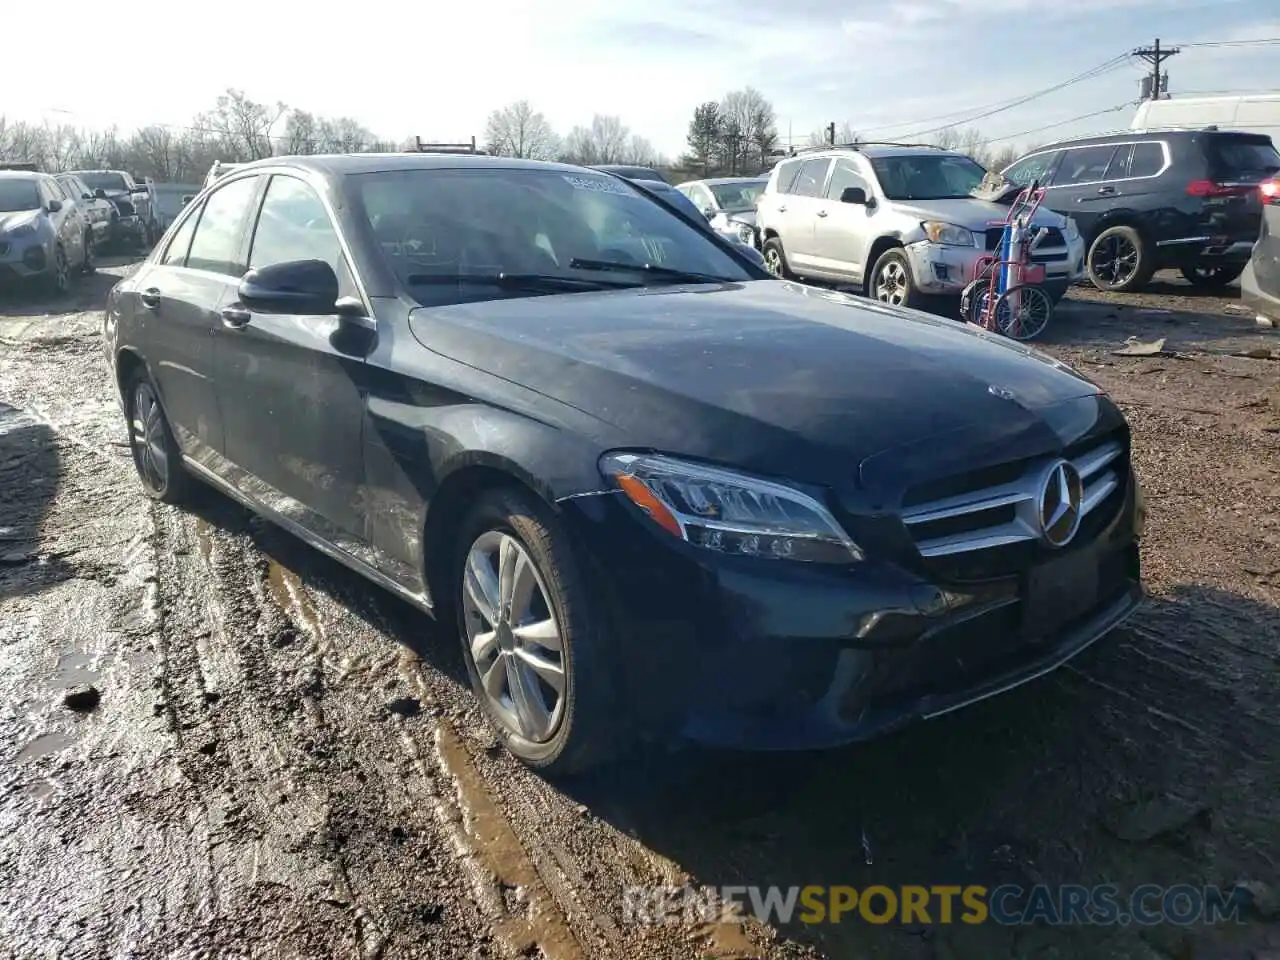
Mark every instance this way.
x=605 y=141
x=243 y=126
x=518 y=130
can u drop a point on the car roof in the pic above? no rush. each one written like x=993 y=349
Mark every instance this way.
x=356 y=163
x=95 y=170
x=22 y=174
x=717 y=181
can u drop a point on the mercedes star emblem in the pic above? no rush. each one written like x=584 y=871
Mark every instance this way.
x=1060 y=496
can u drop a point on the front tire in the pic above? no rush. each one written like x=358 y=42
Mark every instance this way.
x=156 y=455
x=57 y=282
x=1213 y=277
x=532 y=639
x=775 y=259
x=1119 y=260
x=891 y=280
x=87 y=266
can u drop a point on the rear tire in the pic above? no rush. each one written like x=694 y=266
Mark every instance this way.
x=527 y=625
x=1211 y=277
x=1119 y=260
x=775 y=259
x=156 y=455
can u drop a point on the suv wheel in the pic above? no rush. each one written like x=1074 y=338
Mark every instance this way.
x=891 y=281
x=57 y=280
x=775 y=259
x=1211 y=277
x=1119 y=261
x=536 y=652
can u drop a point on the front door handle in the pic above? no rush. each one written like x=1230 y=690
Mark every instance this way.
x=822 y=213
x=1106 y=191
x=236 y=317
x=782 y=208
x=150 y=298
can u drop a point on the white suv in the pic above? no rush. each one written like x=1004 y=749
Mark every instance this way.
x=897 y=221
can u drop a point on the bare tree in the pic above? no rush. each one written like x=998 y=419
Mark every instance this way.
x=641 y=152
x=748 y=130
x=844 y=134
x=242 y=126
x=518 y=130
x=605 y=141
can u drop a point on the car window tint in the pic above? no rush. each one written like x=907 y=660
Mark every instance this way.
x=216 y=245
x=1147 y=159
x=811 y=179
x=293 y=225
x=1084 y=165
x=788 y=170
x=175 y=255
x=843 y=177
x=1029 y=169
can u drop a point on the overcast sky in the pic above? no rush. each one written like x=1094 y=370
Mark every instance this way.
x=435 y=69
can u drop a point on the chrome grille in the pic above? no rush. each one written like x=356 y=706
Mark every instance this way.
x=1007 y=513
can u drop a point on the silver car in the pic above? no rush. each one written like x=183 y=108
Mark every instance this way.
x=729 y=204
x=44 y=236
x=897 y=221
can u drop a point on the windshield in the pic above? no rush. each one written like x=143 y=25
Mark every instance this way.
x=739 y=196
x=941 y=177
x=435 y=226
x=18 y=195
x=104 y=181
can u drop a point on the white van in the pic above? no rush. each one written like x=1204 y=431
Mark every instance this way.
x=1254 y=112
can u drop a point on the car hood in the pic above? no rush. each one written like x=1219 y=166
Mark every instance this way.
x=741 y=216
x=768 y=376
x=17 y=218
x=971 y=213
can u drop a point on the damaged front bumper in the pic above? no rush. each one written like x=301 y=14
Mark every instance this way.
x=946 y=269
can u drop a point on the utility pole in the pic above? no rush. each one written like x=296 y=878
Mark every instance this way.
x=831 y=133
x=1155 y=56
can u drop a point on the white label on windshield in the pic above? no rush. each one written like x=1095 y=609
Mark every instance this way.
x=598 y=185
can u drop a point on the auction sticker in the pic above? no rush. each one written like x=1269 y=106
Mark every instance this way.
x=598 y=185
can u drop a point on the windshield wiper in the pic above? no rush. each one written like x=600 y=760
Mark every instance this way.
x=666 y=273
x=517 y=281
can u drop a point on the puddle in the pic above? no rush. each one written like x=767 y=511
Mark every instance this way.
x=289 y=594
x=45 y=745
x=76 y=667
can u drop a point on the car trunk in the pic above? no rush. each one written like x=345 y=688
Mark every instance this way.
x=1237 y=164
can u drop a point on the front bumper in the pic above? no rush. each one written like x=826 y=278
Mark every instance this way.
x=24 y=258
x=1263 y=303
x=944 y=269
x=762 y=655
x=128 y=229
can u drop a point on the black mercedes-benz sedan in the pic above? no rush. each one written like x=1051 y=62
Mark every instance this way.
x=659 y=493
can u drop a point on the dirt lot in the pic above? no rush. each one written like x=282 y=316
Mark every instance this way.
x=285 y=762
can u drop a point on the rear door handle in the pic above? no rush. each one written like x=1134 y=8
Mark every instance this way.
x=150 y=298
x=235 y=317
x=822 y=213
x=1106 y=191
x=782 y=208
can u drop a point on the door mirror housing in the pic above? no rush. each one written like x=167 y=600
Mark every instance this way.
x=295 y=286
x=99 y=194
x=708 y=212
x=54 y=206
x=855 y=195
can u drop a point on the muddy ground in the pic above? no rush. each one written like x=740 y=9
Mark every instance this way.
x=285 y=762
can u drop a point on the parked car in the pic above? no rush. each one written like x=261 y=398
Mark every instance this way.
x=684 y=500
x=219 y=169
x=1147 y=201
x=134 y=224
x=43 y=235
x=729 y=203
x=670 y=195
x=630 y=172
x=97 y=210
x=900 y=222
x=1260 y=282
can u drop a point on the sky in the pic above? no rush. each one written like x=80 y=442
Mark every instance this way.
x=890 y=68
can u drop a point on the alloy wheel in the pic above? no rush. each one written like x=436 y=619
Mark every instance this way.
x=891 y=284
x=1114 y=260
x=513 y=637
x=148 y=437
x=773 y=262
x=61 y=271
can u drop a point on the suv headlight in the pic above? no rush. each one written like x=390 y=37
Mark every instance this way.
x=947 y=233
x=1072 y=229
x=730 y=512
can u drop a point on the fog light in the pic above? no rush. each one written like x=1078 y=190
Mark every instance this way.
x=942 y=271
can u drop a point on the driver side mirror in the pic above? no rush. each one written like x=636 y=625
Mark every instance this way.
x=708 y=212
x=86 y=196
x=54 y=206
x=295 y=286
x=855 y=195
x=99 y=194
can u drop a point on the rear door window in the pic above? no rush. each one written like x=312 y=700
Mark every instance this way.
x=1147 y=159
x=1084 y=165
x=812 y=178
x=1247 y=157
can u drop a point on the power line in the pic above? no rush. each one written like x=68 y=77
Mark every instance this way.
x=1100 y=70
x=1258 y=42
x=1105 y=67
x=1155 y=56
x=1058 y=123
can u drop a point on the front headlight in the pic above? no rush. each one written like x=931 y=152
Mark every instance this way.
x=730 y=512
x=24 y=230
x=1072 y=229
x=947 y=233
x=745 y=233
